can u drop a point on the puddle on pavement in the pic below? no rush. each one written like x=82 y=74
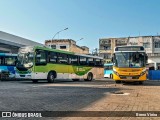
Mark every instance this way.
x=119 y=93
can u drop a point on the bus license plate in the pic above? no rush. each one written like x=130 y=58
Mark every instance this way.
x=22 y=75
x=129 y=77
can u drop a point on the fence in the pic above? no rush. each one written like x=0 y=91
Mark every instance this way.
x=154 y=74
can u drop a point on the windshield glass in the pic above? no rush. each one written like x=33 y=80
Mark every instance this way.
x=108 y=66
x=129 y=59
x=10 y=60
x=25 y=57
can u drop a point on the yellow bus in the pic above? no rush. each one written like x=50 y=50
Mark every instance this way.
x=129 y=64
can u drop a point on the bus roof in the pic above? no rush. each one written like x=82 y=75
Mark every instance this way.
x=108 y=64
x=88 y=56
x=129 y=48
x=46 y=48
x=61 y=51
x=8 y=54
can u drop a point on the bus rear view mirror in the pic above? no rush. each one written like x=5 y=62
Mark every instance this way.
x=112 y=59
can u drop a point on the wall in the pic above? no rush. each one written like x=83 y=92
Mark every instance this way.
x=70 y=45
x=112 y=42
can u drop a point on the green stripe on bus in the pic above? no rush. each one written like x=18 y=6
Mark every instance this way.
x=60 y=68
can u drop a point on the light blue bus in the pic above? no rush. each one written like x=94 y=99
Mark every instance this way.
x=108 y=70
x=7 y=65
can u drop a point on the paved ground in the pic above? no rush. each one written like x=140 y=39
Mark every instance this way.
x=99 y=95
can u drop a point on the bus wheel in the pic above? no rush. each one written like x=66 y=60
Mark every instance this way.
x=111 y=76
x=75 y=79
x=89 y=77
x=140 y=82
x=118 y=81
x=34 y=81
x=51 y=77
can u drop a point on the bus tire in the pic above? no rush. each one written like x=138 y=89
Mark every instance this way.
x=75 y=79
x=34 y=81
x=89 y=77
x=140 y=82
x=51 y=77
x=118 y=81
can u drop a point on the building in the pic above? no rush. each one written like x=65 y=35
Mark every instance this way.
x=11 y=43
x=107 y=45
x=67 y=45
x=150 y=43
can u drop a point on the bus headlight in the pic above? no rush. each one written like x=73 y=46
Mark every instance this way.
x=114 y=71
x=143 y=72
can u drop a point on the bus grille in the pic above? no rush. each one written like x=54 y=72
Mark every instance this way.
x=22 y=75
x=125 y=77
x=129 y=70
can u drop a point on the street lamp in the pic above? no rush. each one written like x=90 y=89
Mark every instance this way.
x=79 y=39
x=56 y=34
x=59 y=32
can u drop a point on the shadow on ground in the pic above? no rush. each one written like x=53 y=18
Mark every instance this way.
x=43 y=96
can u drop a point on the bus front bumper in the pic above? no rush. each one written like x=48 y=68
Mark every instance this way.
x=129 y=78
x=23 y=76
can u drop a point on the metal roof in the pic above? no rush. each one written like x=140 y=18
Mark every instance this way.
x=14 y=40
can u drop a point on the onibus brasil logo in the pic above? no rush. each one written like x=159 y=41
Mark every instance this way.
x=21 y=114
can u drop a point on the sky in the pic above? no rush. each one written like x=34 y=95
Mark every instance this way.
x=40 y=20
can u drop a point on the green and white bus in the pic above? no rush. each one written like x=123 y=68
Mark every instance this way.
x=39 y=63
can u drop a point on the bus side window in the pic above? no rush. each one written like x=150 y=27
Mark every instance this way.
x=69 y=59
x=1 y=61
x=73 y=60
x=62 y=58
x=91 y=62
x=52 y=57
x=83 y=60
x=97 y=62
x=41 y=57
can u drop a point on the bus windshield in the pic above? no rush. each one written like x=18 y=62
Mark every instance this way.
x=108 y=66
x=130 y=59
x=108 y=70
x=25 y=57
